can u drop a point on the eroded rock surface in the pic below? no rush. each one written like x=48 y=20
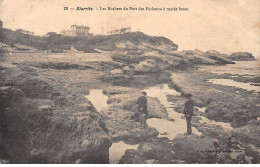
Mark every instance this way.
x=42 y=124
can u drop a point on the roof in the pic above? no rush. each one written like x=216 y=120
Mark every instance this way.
x=74 y=25
x=21 y=30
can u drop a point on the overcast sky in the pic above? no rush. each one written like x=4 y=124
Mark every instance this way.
x=223 y=25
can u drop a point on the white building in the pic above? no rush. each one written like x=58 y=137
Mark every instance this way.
x=77 y=30
x=25 y=32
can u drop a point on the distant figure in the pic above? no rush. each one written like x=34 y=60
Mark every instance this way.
x=188 y=111
x=10 y=53
x=142 y=108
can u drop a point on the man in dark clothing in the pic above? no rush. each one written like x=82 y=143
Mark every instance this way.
x=188 y=111
x=142 y=108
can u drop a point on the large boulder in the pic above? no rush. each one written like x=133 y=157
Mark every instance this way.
x=197 y=57
x=155 y=152
x=55 y=134
x=132 y=157
x=154 y=107
x=10 y=96
x=116 y=71
x=192 y=52
x=238 y=114
x=249 y=133
x=121 y=126
x=220 y=58
x=40 y=125
x=34 y=87
x=194 y=149
x=146 y=66
x=241 y=56
x=160 y=150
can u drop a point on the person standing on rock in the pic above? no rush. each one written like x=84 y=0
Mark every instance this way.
x=142 y=108
x=188 y=111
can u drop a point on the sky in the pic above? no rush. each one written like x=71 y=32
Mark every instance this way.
x=223 y=25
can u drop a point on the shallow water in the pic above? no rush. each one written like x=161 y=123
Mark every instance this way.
x=165 y=127
x=241 y=67
x=97 y=98
x=117 y=150
x=225 y=126
x=230 y=82
x=78 y=56
x=203 y=109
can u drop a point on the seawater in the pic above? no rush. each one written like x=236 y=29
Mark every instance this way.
x=245 y=69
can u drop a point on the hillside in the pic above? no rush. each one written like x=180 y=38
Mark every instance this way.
x=127 y=41
x=140 y=53
x=48 y=113
x=10 y=37
x=87 y=44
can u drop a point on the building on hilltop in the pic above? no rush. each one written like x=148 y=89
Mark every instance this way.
x=120 y=31
x=80 y=30
x=77 y=30
x=67 y=33
x=25 y=32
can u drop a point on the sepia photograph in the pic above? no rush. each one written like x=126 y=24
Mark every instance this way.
x=129 y=82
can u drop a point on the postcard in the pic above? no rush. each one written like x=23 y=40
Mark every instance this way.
x=129 y=82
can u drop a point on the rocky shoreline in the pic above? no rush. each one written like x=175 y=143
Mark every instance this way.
x=45 y=117
x=43 y=122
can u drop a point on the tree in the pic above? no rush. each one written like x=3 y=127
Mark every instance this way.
x=53 y=38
